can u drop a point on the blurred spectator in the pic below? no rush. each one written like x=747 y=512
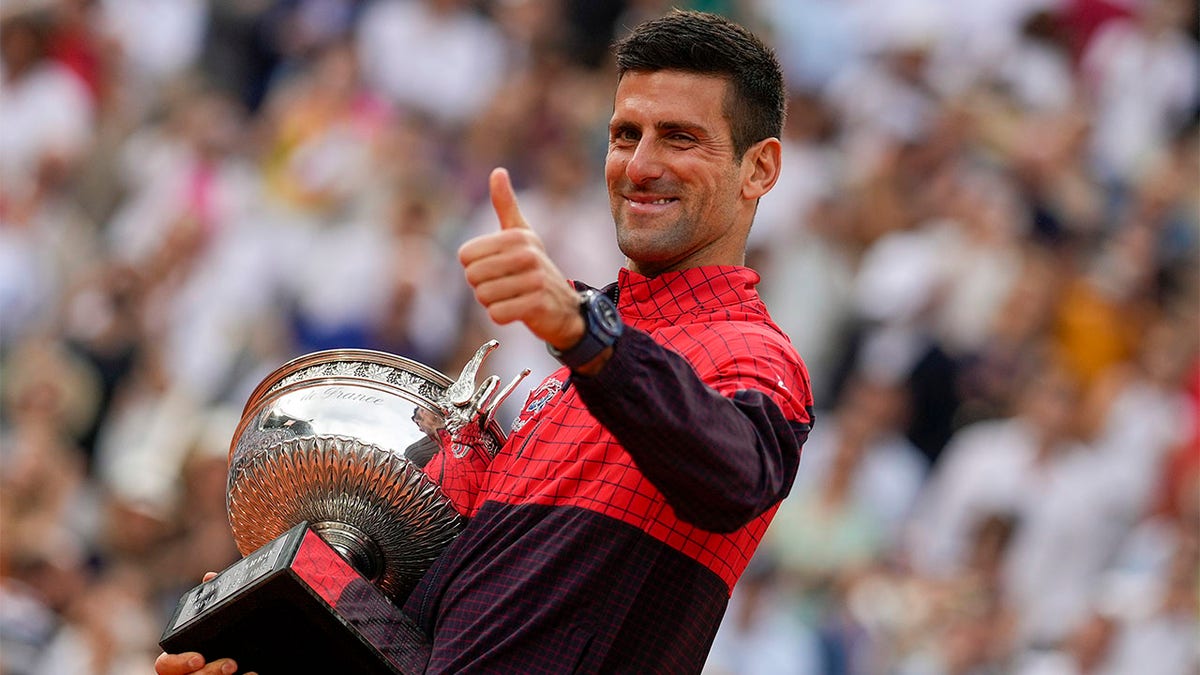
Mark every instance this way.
x=807 y=282
x=146 y=434
x=50 y=396
x=194 y=227
x=978 y=234
x=47 y=129
x=1086 y=651
x=902 y=281
x=236 y=48
x=860 y=450
x=844 y=514
x=42 y=576
x=47 y=114
x=78 y=41
x=1016 y=331
x=1107 y=306
x=1033 y=466
x=1147 y=396
x=590 y=27
x=815 y=40
x=421 y=309
x=1141 y=75
x=102 y=321
x=1151 y=590
x=156 y=40
x=433 y=57
x=181 y=174
x=197 y=538
x=1037 y=69
x=890 y=97
x=109 y=629
x=321 y=130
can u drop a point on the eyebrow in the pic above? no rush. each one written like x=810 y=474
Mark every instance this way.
x=663 y=126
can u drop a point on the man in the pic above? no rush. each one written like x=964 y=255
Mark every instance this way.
x=607 y=534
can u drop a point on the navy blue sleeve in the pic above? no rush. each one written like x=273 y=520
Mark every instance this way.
x=719 y=461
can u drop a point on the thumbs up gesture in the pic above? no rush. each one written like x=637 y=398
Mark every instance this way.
x=513 y=277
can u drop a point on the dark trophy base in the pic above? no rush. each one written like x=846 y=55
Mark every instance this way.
x=296 y=606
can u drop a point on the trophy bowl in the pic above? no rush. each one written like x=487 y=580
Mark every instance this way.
x=335 y=510
x=339 y=439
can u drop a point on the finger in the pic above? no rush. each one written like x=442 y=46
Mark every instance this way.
x=518 y=308
x=178 y=664
x=497 y=289
x=495 y=243
x=513 y=262
x=209 y=576
x=504 y=200
x=221 y=666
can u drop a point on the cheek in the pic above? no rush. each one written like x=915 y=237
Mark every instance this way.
x=614 y=168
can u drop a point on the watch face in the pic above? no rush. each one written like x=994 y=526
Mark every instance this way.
x=605 y=314
x=608 y=315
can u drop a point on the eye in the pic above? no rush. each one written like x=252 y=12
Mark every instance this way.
x=624 y=135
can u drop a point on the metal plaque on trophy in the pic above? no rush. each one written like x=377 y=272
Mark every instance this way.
x=335 y=508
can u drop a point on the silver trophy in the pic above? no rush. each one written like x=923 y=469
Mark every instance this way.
x=335 y=502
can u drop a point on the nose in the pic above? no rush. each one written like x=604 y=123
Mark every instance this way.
x=645 y=163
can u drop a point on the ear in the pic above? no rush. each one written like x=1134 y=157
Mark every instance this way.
x=760 y=168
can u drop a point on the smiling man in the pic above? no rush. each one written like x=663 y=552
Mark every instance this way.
x=607 y=534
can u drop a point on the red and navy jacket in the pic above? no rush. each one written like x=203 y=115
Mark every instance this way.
x=608 y=532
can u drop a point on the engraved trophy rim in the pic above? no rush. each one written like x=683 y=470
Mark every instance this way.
x=310 y=359
x=275 y=379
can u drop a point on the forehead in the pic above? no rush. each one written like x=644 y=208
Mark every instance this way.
x=671 y=95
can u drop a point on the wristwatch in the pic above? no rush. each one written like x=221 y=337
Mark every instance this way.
x=601 y=327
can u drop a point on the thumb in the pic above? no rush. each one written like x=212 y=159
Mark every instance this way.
x=504 y=201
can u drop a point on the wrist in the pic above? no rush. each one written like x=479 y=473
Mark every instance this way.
x=597 y=364
x=601 y=326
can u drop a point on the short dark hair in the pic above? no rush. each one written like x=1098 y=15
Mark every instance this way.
x=710 y=44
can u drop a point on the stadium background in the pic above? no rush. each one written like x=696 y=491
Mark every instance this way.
x=984 y=244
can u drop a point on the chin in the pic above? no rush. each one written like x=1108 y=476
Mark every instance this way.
x=645 y=251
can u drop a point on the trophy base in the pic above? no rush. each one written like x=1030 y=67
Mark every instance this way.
x=295 y=605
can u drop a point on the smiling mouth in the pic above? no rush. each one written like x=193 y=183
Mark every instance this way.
x=642 y=202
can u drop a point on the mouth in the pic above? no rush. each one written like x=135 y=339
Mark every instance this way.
x=649 y=203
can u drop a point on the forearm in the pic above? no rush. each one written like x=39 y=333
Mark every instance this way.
x=719 y=460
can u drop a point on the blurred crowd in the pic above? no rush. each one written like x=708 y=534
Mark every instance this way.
x=985 y=244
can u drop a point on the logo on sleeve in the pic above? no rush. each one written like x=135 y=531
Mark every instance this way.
x=537 y=399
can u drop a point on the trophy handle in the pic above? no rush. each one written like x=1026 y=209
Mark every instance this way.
x=462 y=392
x=463 y=404
x=503 y=396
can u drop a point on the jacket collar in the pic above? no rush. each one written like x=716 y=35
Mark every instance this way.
x=673 y=294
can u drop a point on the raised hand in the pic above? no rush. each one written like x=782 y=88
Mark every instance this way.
x=514 y=278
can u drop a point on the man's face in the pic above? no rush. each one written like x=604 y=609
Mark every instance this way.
x=674 y=185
